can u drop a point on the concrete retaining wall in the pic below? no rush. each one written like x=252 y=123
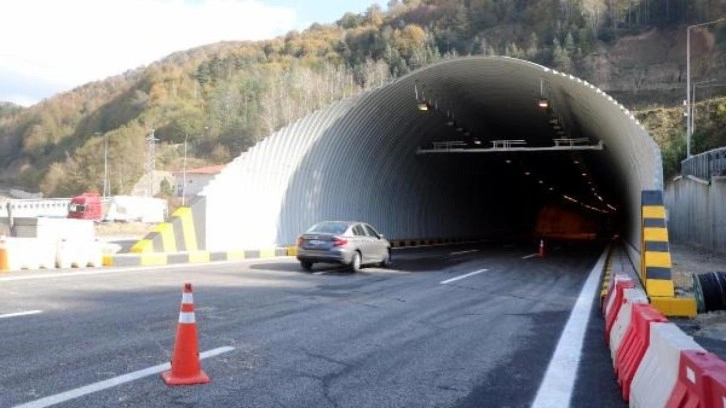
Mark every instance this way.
x=697 y=212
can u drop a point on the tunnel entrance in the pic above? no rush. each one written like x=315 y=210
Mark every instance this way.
x=469 y=147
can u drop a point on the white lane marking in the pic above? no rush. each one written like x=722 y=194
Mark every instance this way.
x=104 y=271
x=559 y=380
x=530 y=256
x=463 y=276
x=111 y=382
x=29 y=312
x=464 y=252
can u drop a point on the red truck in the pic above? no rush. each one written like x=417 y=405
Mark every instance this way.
x=86 y=206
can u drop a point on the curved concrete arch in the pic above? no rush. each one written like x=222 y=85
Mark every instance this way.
x=357 y=159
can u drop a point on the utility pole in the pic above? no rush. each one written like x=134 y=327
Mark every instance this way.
x=184 y=171
x=106 y=184
x=150 y=165
x=689 y=102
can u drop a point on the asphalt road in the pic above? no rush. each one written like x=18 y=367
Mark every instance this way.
x=410 y=336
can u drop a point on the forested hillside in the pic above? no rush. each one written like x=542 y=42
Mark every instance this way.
x=225 y=97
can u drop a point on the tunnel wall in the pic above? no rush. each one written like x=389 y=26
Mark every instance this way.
x=696 y=212
x=356 y=160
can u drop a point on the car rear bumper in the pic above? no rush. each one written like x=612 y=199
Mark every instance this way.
x=323 y=256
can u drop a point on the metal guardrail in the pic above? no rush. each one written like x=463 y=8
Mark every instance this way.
x=705 y=165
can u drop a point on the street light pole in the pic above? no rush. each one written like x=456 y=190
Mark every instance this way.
x=105 y=165
x=689 y=108
x=184 y=171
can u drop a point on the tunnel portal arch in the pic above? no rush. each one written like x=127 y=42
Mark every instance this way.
x=360 y=158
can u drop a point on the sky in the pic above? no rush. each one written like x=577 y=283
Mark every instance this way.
x=52 y=46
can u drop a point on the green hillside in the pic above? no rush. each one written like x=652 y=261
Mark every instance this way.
x=225 y=97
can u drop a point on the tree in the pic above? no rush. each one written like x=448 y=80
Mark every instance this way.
x=533 y=47
x=560 y=58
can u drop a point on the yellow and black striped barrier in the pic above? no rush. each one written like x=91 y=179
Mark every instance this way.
x=179 y=234
x=655 y=259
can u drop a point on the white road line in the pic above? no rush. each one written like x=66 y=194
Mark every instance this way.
x=29 y=312
x=464 y=252
x=530 y=256
x=463 y=276
x=559 y=380
x=111 y=382
x=106 y=271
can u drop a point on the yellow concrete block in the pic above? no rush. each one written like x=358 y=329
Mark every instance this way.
x=153 y=259
x=184 y=214
x=654 y=211
x=267 y=253
x=672 y=306
x=658 y=259
x=659 y=288
x=143 y=245
x=168 y=240
x=655 y=234
x=292 y=251
x=199 y=257
x=108 y=260
x=236 y=255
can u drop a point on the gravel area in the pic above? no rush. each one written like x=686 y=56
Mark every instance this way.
x=688 y=260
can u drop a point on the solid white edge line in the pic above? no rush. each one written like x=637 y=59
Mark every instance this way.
x=112 y=382
x=463 y=276
x=530 y=256
x=464 y=252
x=559 y=380
x=29 y=312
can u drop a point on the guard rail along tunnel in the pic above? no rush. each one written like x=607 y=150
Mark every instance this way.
x=468 y=148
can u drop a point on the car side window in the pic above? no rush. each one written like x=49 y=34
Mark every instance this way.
x=359 y=231
x=372 y=232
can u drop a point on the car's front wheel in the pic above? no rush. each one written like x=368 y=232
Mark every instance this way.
x=355 y=263
x=386 y=262
x=306 y=265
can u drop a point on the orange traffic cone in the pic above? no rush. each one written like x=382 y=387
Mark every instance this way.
x=3 y=255
x=541 y=248
x=185 y=368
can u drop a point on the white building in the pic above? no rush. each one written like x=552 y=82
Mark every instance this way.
x=196 y=180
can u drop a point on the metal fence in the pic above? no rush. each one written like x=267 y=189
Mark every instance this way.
x=705 y=165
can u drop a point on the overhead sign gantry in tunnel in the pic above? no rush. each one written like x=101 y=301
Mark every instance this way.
x=518 y=138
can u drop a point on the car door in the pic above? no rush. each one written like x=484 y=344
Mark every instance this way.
x=364 y=243
x=378 y=247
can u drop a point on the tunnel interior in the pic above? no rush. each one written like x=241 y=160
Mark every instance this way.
x=462 y=148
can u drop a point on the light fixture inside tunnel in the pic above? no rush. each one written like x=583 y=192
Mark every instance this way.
x=421 y=103
x=422 y=106
x=542 y=102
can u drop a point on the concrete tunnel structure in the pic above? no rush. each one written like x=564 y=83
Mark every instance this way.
x=360 y=159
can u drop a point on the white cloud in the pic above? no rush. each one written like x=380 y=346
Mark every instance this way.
x=70 y=42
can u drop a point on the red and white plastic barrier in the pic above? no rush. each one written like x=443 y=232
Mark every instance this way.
x=701 y=381
x=634 y=345
x=656 y=364
x=656 y=376
x=622 y=322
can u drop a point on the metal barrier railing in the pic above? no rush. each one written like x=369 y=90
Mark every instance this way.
x=705 y=165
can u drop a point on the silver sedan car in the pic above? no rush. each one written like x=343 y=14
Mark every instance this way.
x=348 y=243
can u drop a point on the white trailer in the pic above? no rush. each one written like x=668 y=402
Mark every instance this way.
x=132 y=208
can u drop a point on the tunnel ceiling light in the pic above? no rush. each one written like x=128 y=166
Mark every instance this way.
x=526 y=173
x=422 y=106
x=611 y=207
x=584 y=174
x=459 y=128
x=540 y=181
x=477 y=141
x=450 y=122
x=508 y=161
x=552 y=189
x=543 y=103
x=467 y=133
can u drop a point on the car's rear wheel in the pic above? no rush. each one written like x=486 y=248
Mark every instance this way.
x=355 y=263
x=386 y=262
x=306 y=265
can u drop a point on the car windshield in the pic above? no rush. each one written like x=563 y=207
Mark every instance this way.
x=329 y=227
